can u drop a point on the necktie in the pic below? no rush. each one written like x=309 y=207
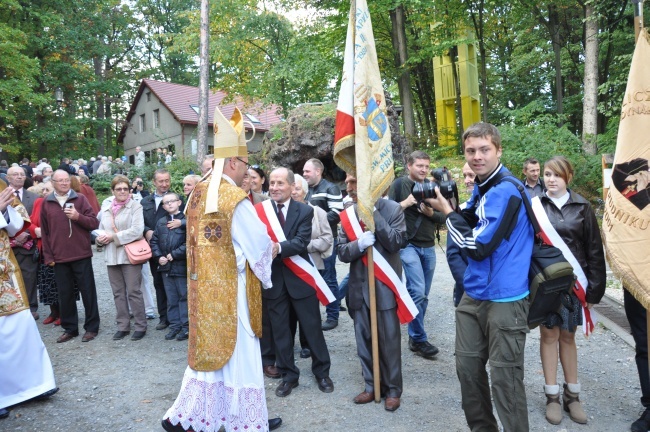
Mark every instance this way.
x=280 y=214
x=18 y=195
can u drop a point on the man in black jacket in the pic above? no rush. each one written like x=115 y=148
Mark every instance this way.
x=290 y=291
x=327 y=196
x=152 y=210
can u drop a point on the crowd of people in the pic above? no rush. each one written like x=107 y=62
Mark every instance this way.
x=241 y=260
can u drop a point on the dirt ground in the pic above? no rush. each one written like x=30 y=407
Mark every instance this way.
x=108 y=385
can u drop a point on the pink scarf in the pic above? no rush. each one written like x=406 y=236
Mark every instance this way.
x=117 y=205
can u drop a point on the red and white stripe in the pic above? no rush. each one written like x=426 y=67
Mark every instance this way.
x=550 y=236
x=406 y=309
x=297 y=264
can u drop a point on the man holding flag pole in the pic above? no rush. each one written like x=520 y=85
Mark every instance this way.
x=363 y=149
x=626 y=221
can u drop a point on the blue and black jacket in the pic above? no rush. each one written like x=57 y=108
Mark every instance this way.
x=497 y=235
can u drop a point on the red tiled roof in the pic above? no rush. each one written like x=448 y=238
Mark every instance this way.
x=179 y=98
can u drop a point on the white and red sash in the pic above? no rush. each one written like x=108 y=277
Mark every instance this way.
x=406 y=309
x=297 y=264
x=550 y=236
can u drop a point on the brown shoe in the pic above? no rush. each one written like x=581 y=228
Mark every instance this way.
x=88 y=336
x=364 y=397
x=553 y=409
x=573 y=406
x=271 y=371
x=391 y=404
x=66 y=337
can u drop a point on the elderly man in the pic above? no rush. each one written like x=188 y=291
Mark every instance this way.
x=23 y=245
x=229 y=255
x=139 y=157
x=327 y=196
x=66 y=221
x=206 y=165
x=293 y=222
x=388 y=239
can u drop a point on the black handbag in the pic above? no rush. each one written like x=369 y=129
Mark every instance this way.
x=550 y=276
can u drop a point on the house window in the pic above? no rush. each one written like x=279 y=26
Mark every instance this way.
x=252 y=118
x=143 y=124
x=156 y=119
x=148 y=96
x=195 y=108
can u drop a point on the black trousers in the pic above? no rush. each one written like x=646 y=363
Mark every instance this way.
x=636 y=315
x=65 y=275
x=161 y=295
x=29 y=270
x=267 y=347
x=308 y=315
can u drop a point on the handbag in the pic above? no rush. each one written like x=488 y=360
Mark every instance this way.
x=138 y=251
x=550 y=276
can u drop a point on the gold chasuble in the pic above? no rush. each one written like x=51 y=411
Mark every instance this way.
x=13 y=297
x=213 y=282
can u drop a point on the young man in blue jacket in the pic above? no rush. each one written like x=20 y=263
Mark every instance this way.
x=491 y=319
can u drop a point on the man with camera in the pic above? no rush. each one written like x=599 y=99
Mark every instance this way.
x=418 y=257
x=491 y=319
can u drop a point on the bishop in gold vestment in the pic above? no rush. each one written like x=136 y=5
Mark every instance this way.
x=229 y=261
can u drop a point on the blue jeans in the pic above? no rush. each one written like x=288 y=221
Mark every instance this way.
x=343 y=287
x=329 y=274
x=419 y=265
x=176 y=290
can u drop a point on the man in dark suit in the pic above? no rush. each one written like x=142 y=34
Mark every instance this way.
x=23 y=245
x=291 y=291
x=152 y=211
x=389 y=237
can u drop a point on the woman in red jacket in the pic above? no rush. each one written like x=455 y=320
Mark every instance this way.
x=46 y=283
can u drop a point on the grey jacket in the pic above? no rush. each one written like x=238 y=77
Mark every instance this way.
x=390 y=237
x=129 y=223
x=322 y=240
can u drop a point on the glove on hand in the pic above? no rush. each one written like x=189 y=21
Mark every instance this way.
x=366 y=240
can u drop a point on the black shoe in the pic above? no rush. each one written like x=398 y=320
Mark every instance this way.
x=162 y=325
x=137 y=335
x=274 y=423
x=305 y=353
x=4 y=413
x=120 y=335
x=172 y=428
x=342 y=308
x=424 y=349
x=285 y=387
x=643 y=423
x=46 y=395
x=329 y=325
x=182 y=335
x=172 y=334
x=325 y=385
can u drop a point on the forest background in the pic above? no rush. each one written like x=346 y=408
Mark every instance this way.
x=551 y=74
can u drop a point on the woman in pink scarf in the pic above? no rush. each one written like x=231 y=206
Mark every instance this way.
x=121 y=222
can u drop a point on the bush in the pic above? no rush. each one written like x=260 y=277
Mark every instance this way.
x=178 y=169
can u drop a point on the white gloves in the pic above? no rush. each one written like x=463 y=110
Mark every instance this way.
x=366 y=240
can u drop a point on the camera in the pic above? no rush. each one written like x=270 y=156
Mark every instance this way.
x=139 y=183
x=442 y=179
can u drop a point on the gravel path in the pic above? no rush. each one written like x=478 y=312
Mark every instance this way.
x=111 y=385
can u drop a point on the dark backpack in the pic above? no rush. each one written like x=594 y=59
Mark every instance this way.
x=550 y=275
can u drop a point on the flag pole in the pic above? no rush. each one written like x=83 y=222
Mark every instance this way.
x=373 y=325
x=638 y=17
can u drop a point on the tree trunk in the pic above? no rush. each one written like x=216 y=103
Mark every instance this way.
x=453 y=55
x=398 y=36
x=590 y=105
x=554 y=30
x=204 y=58
x=99 y=105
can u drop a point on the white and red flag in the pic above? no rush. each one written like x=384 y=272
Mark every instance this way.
x=626 y=222
x=362 y=141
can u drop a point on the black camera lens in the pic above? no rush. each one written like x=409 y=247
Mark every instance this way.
x=139 y=183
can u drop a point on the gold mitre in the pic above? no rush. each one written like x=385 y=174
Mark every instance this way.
x=229 y=141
